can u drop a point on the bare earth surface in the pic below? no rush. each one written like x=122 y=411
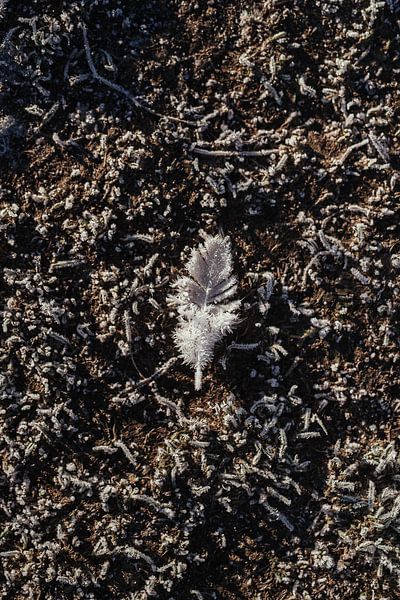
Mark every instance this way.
x=127 y=129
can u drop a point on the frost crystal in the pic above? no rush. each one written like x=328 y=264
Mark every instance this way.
x=205 y=314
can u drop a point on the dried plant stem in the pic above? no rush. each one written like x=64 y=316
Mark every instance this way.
x=123 y=91
x=312 y=262
x=234 y=153
x=350 y=149
x=163 y=369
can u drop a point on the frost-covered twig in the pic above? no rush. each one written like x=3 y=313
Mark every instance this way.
x=312 y=262
x=163 y=369
x=349 y=150
x=233 y=153
x=123 y=91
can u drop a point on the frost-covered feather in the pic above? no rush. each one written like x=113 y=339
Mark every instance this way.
x=205 y=315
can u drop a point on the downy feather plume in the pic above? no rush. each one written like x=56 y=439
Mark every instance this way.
x=205 y=311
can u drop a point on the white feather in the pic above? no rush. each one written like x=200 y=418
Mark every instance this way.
x=204 y=313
